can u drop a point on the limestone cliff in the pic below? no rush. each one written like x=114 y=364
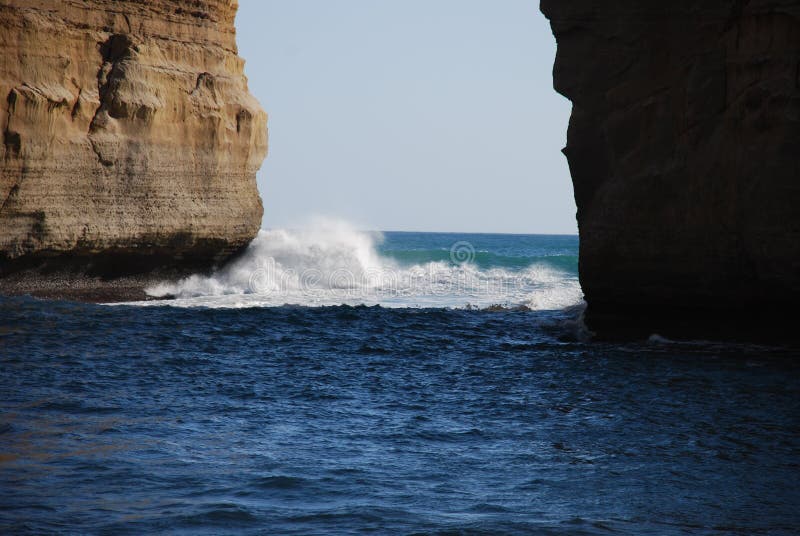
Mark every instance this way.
x=684 y=149
x=127 y=129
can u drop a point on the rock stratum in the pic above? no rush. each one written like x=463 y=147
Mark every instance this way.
x=129 y=136
x=684 y=149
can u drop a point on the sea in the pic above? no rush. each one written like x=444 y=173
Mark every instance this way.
x=335 y=381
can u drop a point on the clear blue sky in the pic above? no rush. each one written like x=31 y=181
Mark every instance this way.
x=420 y=115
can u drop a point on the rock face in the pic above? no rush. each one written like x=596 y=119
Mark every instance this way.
x=127 y=131
x=684 y=149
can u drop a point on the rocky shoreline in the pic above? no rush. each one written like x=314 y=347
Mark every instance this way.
x=66 y=287
x=131 y=145
x=85 y=281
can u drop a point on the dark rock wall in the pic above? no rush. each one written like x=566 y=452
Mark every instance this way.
x=684 y=149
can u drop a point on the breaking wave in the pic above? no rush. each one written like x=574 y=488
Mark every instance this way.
x=332 y=263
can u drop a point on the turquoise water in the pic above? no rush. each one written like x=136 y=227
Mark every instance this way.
x=217 y=413
x=512 y=252
x=335 y=264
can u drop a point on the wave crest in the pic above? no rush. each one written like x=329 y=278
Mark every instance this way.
x=334 y=264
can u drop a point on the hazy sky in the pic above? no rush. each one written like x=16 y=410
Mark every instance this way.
x=421 y=115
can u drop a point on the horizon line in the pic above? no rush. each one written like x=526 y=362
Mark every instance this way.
x=576 y=234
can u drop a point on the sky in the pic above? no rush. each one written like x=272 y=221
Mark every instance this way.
x=409 y=115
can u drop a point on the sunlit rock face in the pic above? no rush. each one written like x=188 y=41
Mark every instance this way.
x=127 y=128
x=684 y=149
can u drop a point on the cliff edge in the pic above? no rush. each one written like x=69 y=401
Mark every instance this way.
x=129 y=138
x=684 y=149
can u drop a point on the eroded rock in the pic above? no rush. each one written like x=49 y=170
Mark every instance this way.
x=127 y=130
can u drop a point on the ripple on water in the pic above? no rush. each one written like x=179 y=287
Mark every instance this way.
x=351 y=420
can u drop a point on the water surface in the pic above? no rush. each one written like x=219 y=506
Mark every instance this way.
x=386 y=420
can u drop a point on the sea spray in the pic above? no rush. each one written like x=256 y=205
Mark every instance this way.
x=332 y=263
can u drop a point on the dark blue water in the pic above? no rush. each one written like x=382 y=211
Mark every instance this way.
x=354 y=420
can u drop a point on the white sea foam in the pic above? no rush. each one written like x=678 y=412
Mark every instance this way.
x=332 y=263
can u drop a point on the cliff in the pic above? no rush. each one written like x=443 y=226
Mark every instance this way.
x=684 y=149
x=128 y=133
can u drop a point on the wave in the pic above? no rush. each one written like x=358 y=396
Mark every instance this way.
x=486 y=259
x=332 y=263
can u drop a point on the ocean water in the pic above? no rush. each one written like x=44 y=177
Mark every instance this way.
x=333 y=264
x=266 y=399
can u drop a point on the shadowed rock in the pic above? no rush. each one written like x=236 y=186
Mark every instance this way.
x=683 y=148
